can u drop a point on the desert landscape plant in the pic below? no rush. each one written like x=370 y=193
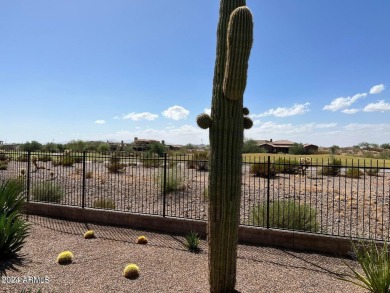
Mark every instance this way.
x=285 y=214
x=332 y=169
x=192 y=241
x=375 y=263
x=13 y=228
x=90 y=234
x=65 y=257
x=263 y=170
x=226 y=127
x=47 y=191
x=131 y=271
x=104 y=203
x=353 y=173
x=142 y=240
x=173 y=180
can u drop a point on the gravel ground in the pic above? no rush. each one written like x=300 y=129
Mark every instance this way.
x=165 y=264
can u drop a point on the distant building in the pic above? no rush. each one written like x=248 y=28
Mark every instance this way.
x=282 y=146
x=142 y=144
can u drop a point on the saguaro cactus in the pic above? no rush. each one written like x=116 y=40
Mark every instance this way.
x=226 y=125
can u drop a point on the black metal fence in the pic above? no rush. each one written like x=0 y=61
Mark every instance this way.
x=349 y=198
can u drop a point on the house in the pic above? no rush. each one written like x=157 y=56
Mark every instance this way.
x=142 y=144
x=282 y=146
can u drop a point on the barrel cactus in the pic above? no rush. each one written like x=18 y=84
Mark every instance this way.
x=226 y=126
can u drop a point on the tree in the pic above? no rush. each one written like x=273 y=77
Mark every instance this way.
x=157 y=148
x=297 y=149
x=250 y=146
x=32 y=146
x=226 y=126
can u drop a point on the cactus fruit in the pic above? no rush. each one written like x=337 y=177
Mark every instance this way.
x=89 y=234
x=65 y=257
x=226 y=126
x=131 y=271
x=142 y=240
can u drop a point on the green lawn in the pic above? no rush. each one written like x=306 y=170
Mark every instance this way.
x=346 y=161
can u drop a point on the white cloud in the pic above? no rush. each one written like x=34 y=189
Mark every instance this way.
x=140 y=116
x=297 y=109
x=380 y=106
x=207 y=111
x=376 y=89
x=327 y=125
x=343 y=102
x=100 y=121
x=176 y=113
x=115 y=117
x=350 y=111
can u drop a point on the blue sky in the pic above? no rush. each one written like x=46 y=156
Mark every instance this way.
x=319 y=71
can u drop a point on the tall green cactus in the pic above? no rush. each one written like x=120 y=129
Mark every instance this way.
x=226 y=126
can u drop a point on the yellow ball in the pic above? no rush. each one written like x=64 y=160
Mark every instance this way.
x=89 y=234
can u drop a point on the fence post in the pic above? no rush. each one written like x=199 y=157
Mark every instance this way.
x=164 y=183
x=28 y=174
x=84 y=187
x=268 y=187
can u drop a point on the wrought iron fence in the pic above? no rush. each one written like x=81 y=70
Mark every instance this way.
x=349 y=198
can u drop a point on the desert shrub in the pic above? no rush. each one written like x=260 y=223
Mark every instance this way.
x=385 y=155
x=375 y=263
x=372 y=171
x=47 y=191
x=157 y=148
x=131 y=271
x=151 y=161
x=173 y=181
x=333 y=169
x=115 y=165
x=3 y=165
x=65 y=160
x=286 y=214
x=44 y=158
x=353 y=173
x=13 y=228
x=22 y=158
x=261 y=170
x=65 y=257
x=89 y=174
x=286 y=166
x=199 y=161
x=108 y=204
x=4 y=156
x=192 y=241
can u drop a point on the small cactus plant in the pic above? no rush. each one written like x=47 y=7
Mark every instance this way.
x=65 y=257
x=142 y=240
x=89 y=234
x=131 y=271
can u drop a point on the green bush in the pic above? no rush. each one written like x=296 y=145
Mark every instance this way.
x=108 y=204
x=115 y=165
x=261 y=170
x=199 y=161
x=65 y=160
x=286 y=214
x=385 y=155
x=3 y=156
x=372 y=171
x=47 y=191
x=173 y=182
x=192 y=241
x=286 y=166
x=151 y=161
x=333 y=169
x=375 y=263
x=22 y=158
x=13 y=228
x=250 y=146
x=353 y=173
x=297 y=149
x=3 y=165
x=44 y=158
